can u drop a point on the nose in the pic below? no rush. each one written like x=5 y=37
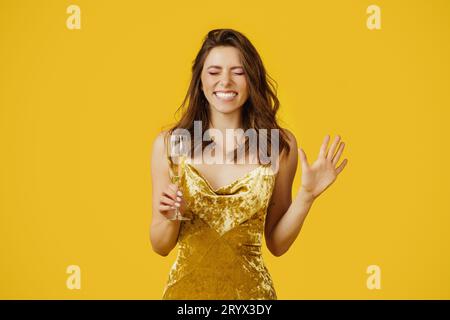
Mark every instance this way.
x=225 y=80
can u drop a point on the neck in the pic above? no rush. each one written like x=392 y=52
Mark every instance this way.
x=223 y=121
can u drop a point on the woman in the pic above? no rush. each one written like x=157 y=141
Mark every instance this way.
x=230 y=206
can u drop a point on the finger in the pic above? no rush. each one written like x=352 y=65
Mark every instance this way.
x=164 y=208
x=176 y=196
x=170 y=192
x=171 y=204
x=342 y=166
x=178 y=201
x=182 y=204
x=167 y=200
x=333 y=147
x=323 y=148
x=175 y=189
x=338 y=154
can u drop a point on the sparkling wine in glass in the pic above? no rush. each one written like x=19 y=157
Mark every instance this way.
x=178 y=154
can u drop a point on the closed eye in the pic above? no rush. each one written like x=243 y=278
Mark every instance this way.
x=216 y=73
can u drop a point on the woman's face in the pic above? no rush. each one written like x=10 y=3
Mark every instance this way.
x=223 y=79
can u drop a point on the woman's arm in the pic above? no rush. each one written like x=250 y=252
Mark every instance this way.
x=284 y=217
x=163 y=232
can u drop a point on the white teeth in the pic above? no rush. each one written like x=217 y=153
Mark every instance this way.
x=225 y=96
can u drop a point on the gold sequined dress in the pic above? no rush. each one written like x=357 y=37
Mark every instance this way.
x=219 y=250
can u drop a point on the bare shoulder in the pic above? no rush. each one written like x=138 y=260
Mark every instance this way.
x=159 y=142
x=159 y=149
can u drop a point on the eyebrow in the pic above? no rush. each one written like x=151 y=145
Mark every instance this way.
x=219 y=67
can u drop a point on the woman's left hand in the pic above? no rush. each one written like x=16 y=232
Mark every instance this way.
x=322 y=173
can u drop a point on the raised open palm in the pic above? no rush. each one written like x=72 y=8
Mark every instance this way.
x=316 y=178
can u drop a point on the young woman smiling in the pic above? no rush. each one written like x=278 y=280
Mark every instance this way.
x=231 y=206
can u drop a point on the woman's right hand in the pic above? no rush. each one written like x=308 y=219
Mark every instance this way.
x=171 y=198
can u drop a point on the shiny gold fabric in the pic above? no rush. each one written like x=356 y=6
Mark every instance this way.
x=219 y=250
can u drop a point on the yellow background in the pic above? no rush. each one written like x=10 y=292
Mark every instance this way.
x=80 y=109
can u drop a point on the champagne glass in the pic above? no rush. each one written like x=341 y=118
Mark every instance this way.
x=178 y=154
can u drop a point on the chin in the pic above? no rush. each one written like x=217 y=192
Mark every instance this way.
x=226 y=108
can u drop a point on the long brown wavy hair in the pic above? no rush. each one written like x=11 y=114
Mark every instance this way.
x=258 y=112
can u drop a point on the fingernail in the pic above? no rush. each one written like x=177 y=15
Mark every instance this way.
x=178 y=199
x=177 y=204
x=179 y=193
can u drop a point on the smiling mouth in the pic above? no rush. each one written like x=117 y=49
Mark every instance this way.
x=225 y=95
